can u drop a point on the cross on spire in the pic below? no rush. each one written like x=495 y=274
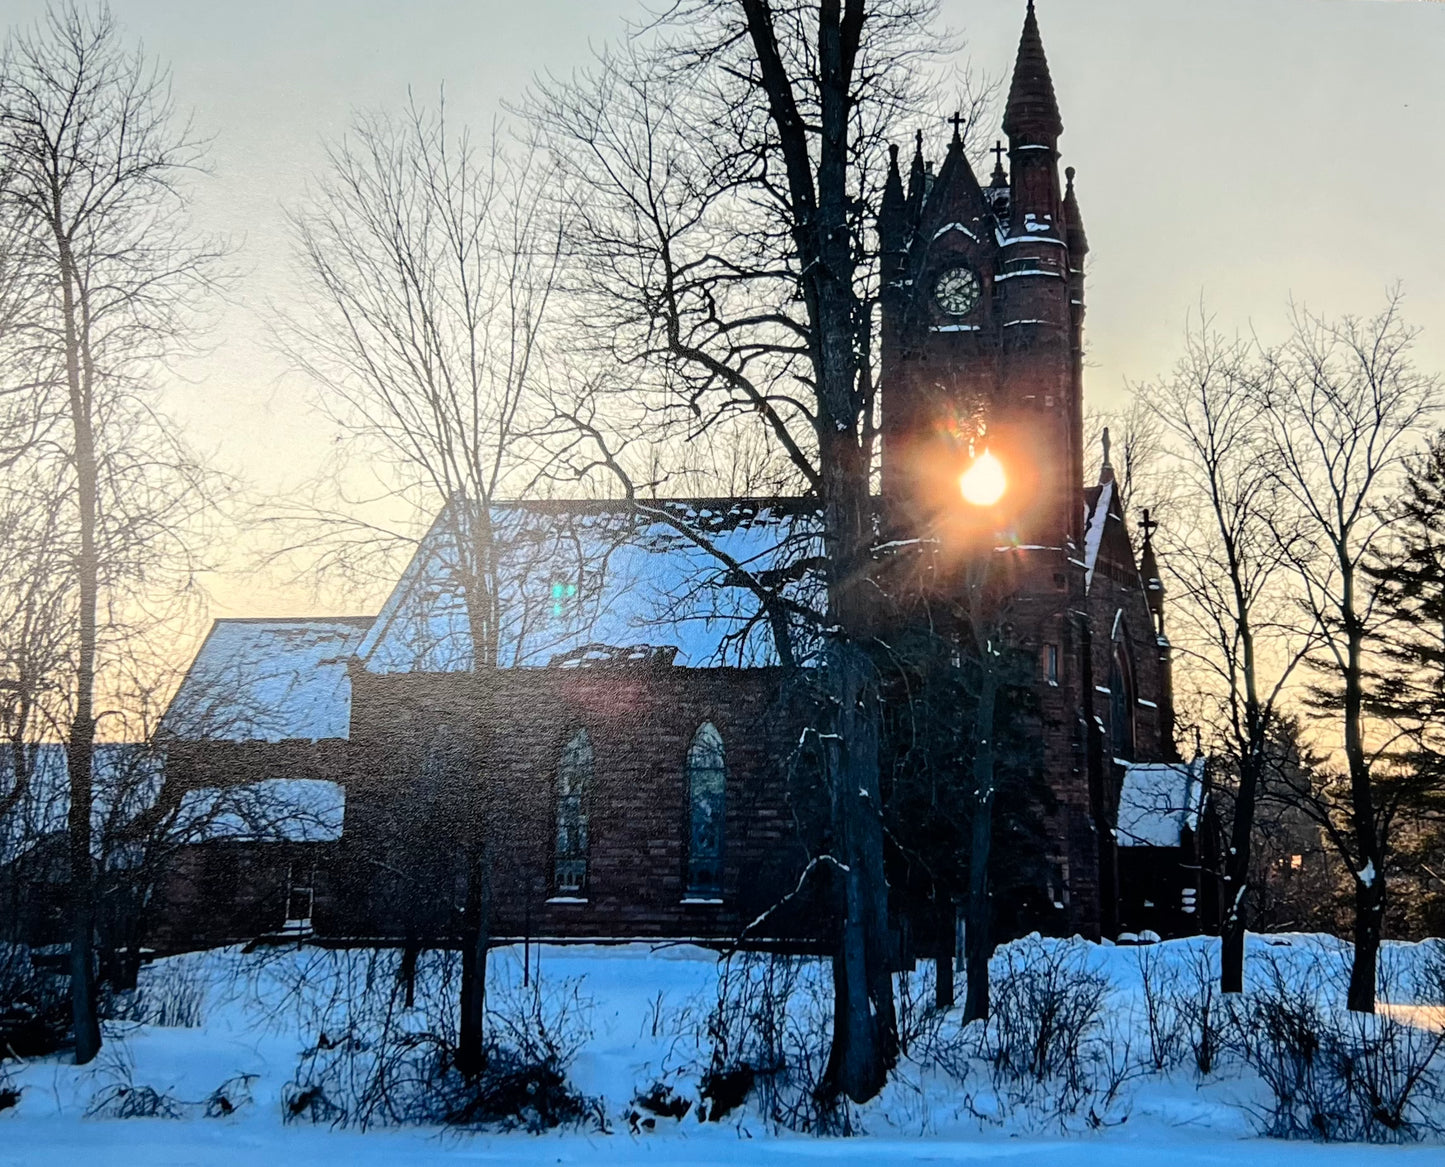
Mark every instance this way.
x=1148 y=526
x=998 y=153
x=958 y=121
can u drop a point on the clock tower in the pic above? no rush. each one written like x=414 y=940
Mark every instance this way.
x=982 y=313
x=982 y=319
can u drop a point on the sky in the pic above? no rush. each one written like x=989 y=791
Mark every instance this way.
x=1235 y=153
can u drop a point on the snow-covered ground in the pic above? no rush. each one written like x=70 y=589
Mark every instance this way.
x=640 y=1016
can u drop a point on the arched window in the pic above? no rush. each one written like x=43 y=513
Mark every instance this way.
x=706 y=790
x=1121 y=705
x=574 y=775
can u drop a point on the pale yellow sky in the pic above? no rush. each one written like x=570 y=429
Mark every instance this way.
x=1245 y=151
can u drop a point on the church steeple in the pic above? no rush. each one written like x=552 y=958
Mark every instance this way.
x=1074 y=220
x=893 y=210
x=1032 y=113
x=1031 y=121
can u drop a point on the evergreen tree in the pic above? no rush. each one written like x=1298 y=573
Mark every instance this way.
x=1409 y=687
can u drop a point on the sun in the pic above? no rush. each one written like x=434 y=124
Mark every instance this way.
x=983 y=483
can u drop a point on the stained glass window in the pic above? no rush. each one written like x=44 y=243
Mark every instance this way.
x=707 y=788
x=1121 y=705
x=574 y=775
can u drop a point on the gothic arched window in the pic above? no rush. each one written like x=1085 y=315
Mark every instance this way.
x=574 y=775
x=1121 y=705
x=706 y=789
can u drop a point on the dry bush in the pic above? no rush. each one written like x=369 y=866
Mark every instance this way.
x=1165 y=1020
x=378 y=1062
x=170 y=993
x=1206 y=1021
x=1047 y=1004
x=1335 y=1075
x=769 y=1029
x=34 y=1006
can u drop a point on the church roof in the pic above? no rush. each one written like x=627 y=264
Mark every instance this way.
x=1158 y=801
x=1098 y=506
x=269 y=680
x=273 y=810
x=126 y=777
x=575 y=577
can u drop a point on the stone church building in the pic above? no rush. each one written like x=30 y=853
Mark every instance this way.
x=631 y=754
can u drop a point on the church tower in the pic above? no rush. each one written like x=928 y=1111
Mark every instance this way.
x=981 y=370
x=982 y=322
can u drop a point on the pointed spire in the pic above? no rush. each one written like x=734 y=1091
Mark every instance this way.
x=917 y=178
x=1032 y=110
x=1106 y=471
x=1077 y=241
x=893 y=209
x=1149 y=572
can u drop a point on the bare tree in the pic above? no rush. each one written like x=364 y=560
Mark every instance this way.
x=93 y=159
x=723 y=172
x=1228 y=553
x=430 y=267
x=1345 y=406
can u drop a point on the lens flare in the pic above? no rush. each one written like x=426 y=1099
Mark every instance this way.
x=983 y=483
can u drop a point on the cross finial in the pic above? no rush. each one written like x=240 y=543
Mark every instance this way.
x=1105 y=442
x=958 y=121
x=1148 y=526
x=998 y=154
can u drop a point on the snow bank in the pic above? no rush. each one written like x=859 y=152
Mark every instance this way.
x=650 y=1016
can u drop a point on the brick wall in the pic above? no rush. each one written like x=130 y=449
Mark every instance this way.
x=412 y=818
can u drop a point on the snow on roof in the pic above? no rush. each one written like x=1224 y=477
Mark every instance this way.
x=1094 y=521
x=574 y=575
x=1158 y=801
x=125 y=776
x=274 y=810
x=269 y=680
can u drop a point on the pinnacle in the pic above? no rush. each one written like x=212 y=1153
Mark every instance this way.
x=1033 y=110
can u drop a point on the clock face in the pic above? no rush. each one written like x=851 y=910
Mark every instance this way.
x=956 y=291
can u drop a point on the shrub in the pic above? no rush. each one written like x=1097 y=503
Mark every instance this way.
x=1206 y=1022
x=769 y=1030
x=1335 y=1075
x=170 y=993
x=377 y=1061
x=1047 y=1001
x=34 y=1006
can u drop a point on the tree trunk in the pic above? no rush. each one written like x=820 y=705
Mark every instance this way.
x=865 y=1027
x=80 y=748
x=978 y=929
x=1369 y=921
x=1369 y=882
x=1236 y=873
x=471 y=1044
x=407 y=972
x=943 y=987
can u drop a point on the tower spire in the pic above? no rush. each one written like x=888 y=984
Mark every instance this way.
x=1074 y=220
x=1106 y=469
x=917 y=179
x=893 y=211
x=1033 y=110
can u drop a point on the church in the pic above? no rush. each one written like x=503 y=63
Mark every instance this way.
x=630 y=758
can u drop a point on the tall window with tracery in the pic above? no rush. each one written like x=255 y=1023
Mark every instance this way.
x=574 y=776
x=707 y=789
x=1121 y=705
